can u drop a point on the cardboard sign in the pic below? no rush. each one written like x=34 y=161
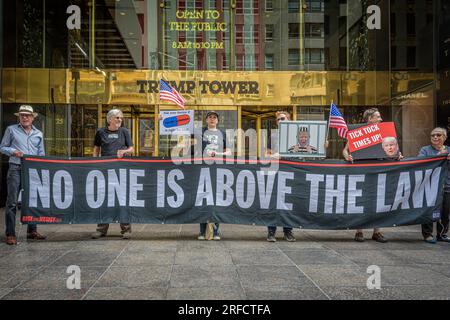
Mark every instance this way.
x=365 y=141
x=176 y=122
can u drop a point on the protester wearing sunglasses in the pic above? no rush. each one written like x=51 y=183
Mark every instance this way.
x=437 y=147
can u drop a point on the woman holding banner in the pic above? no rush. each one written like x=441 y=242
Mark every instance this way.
x=437 y=147
x=371 y=116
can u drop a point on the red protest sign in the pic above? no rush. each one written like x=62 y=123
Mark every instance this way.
x=370 y=135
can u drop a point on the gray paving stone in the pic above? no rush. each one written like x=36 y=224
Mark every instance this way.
x=269 y=293
x=30 y=259
x=154 y=276
x=12 y=277
x=206 y=293
x=4 y=291
x=209 y=257
x=367 y=258
x=204 y=276
x=145 y=258
x=338 y=276
x=48 y=294
x=436 y=292
x=272 y=276
x=118 y=293
x=439 y=268
x=56 y=278
x=260 y=257
x=157 y=245
x=87 y=258
x=317 y=257
x=405 y=275
x=423 y=256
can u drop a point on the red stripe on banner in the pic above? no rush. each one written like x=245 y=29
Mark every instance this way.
x=303 y=164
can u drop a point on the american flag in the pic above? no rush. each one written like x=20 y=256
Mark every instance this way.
x=166 y=92
x=337 y=121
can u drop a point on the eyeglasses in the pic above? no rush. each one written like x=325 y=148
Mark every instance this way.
x=436 y=135
x=281 y=119
x=119 y=118
x=25 y=115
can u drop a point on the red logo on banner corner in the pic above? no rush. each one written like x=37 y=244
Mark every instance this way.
x=370 y=135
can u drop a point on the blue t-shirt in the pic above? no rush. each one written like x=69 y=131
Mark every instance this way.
x=430 y=151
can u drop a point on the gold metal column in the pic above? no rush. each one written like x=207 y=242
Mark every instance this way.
x=301 y=44
x=92 y=34
x=239 y=137
x=232 y=35
x=156 y=153
x=258 y=135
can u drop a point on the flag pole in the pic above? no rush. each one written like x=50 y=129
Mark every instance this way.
x=328 y=122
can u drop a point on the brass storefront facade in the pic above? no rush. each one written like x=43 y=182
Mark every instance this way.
x=247 y=100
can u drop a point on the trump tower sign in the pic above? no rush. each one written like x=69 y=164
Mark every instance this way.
x=316 y=195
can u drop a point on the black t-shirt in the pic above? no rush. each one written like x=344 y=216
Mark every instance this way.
x=112 y=141
x=213 y=140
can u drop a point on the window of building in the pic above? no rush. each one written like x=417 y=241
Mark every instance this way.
x=294 y=6
x=240 y=62
x=212 y=63
x=269 y=62
x=239 y=33
x=314 y=56
x=314 y=30
x=294 y=57
x=269 y=5
x=393 y=25
x=212 y=4
x=269 y=32
x=411 y=57
x=411 y=24
x=294 y=30
x=314 y=6
x=393 y=57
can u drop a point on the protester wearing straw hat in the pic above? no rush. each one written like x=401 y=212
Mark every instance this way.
x=19 y=139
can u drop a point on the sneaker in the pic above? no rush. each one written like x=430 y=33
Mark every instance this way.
x=98 y=234
x=201 y=237
x=288 y=236
x=359 y=237
x=35 y=236
x=271 y=237
x=217 y=238
x=443 y=238
x=430 y=239
x=378 y=237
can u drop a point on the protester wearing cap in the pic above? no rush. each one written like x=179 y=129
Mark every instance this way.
x=213 y=145
x=19 y=139
x=438 y=136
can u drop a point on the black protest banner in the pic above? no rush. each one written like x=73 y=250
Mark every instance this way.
x=317 y=195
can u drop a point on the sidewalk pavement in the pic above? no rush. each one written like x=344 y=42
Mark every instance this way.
x=167 y=262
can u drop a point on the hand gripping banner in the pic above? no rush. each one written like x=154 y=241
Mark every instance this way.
x=311 y=195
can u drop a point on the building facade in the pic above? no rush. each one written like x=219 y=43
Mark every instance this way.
x=74 y=60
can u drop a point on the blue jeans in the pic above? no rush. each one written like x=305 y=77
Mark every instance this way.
x=13 y=183
x=203 y=229
x=273 y=229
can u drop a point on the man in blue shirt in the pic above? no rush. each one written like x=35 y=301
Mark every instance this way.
x=20 y=139
x=437 y=147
